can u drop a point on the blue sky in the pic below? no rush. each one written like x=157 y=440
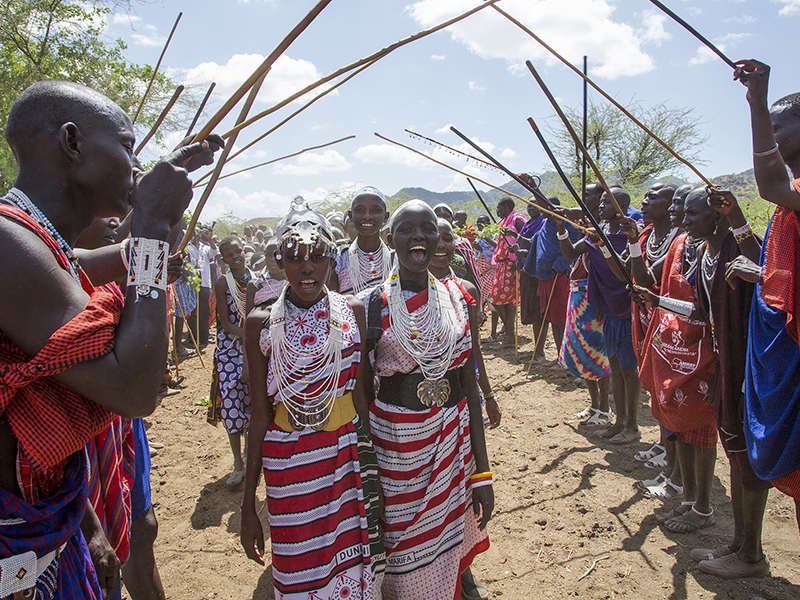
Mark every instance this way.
x=471 y=75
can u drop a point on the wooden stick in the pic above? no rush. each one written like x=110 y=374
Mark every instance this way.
x=516 y=311
x=477 y=193
x=274 y=160
x=200 y=109
x=251 y=97
x=291 y=116
x=585 y=124
x=624 y=111
x=175 y=349
x=695 y=33
x=368 y=59
x=541 y=330
x=160 y=119
x=261 y=71
x=191 y=335
x=525 y=200
x=594 y=564
x=594 y=168
x=575 y=137
x=155 y=71
x=511 y=174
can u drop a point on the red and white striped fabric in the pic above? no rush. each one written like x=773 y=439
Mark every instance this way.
x=424 y=461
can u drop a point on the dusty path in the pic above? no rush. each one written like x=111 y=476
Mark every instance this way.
x=563 y=500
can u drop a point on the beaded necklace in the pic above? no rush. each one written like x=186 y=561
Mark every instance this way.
x=656 y=250
x=238 y=289
x=293 y=366
x=708 y=269
x=21 y=201
x=362 y=265
x=428 y=335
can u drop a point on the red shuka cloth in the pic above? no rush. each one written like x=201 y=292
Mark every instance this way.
x=641 y=316
x=780 y=287
x=678 y=362
x=49 y=420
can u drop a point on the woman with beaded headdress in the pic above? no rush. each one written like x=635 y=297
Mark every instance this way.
x=367 y=260
x=310 y=411
x=426 y=422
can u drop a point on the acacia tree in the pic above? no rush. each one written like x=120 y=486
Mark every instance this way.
x=63 y=39
x=621 y=149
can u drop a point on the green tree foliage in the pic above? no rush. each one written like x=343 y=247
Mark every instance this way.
x=621 y=149
x=63 y=39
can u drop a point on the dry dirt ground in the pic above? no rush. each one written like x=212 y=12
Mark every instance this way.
x=564 y=500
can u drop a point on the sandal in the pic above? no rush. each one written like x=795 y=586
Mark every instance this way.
x=659 y=462
x=691 y=521
x=732 y=567
x=701 y=554
x=626 y=436
x=679 y=510
x=598 y=419
x=586 y=413
x=647 y=483
x=663 y=491
x=474 y=589
x=235 y=478
x=645 y=455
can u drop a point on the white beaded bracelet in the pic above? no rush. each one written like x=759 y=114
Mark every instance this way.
x=634 y=249
x=563 y=236
x=744 y=229
x=123 y=253
x=148 y=266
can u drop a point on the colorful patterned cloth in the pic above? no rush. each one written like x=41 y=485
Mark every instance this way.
x=583 y=351
x=772 y=395
x=267 y=288
x=642 y=315
x=322 y=487
x=678 y=363
x=185 y=298
x=48 y=525
x=234 y=397
x=505 y=289
x=425 y=461
x=49 y=420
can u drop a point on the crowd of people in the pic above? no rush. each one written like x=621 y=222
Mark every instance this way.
x=347 y=350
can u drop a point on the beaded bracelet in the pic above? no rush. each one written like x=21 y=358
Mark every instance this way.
x=148 y=266
x=481 y=475
x=563 y=236
x=490 y=396
x=123 y=253
x=766 y=152
x=634 y=249
x=742 y=233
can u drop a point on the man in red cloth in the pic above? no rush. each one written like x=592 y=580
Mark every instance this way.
x=93 y=354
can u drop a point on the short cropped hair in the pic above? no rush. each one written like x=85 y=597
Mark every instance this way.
x=791 y=102
x=46 y=105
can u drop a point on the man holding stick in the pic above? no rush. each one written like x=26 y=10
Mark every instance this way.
x=93 y=353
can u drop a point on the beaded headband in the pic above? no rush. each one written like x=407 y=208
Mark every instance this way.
x=304 y=226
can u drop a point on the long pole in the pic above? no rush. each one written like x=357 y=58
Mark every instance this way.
x=511 y=174
x=219 y=166
x=624 y=111
x=478 y=194
x=574 y=135
x=200 y=109
x=191 y=335
x=541 y=329
x=261 y=71
x=585 y=125
x=518 y=197
x=175 y=95
x=368 y=59
x=155 y=71
x=695 y=33
x=274 y=160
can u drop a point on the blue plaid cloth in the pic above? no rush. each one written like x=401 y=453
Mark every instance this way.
x=772 y=390
x=47 y=526
x=186 y=296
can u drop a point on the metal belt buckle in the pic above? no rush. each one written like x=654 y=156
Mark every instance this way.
x=433 y=392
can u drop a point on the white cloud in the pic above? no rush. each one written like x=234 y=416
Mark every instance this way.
x=705 y=55
x=741 y=19
x=150 y=37
x=437 y=57
x=790 y=7
x=508 y=153
x=386 y=154
x=264 y=203
x=445 y=129
x=694 y=10
x=314 y=164
x=288 y=75
x=588 y=27
x=475 y=87
x=122 y=19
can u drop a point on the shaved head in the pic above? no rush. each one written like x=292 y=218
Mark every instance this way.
x=45 y=106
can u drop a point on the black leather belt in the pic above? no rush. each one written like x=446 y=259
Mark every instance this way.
x=400 y=389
